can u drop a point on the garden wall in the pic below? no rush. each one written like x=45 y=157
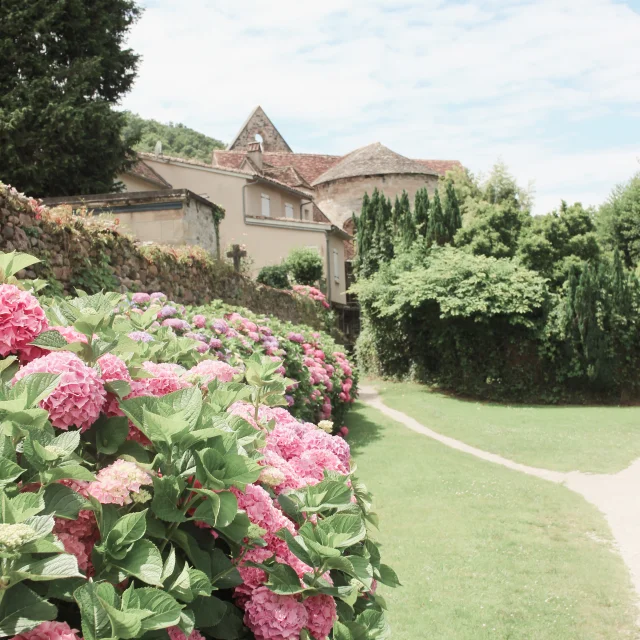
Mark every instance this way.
x=92 y=253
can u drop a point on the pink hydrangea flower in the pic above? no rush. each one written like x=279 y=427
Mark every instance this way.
x=50 y=631
x=322 y=614
x=209 y=370
x=21 y=319
x=113 y=368
x=199 y=321
x=79 y=396
x=176 y=633
x=274 y=617
x=140 y=298
x=115 y=483
x=167 y=378
x=79 y=537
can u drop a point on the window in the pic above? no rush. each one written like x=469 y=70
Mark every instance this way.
x=266 y=206
x=336 y=266
x=288 y=210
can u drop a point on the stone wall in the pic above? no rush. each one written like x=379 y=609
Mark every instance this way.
x=92 y=253
x=339 y=199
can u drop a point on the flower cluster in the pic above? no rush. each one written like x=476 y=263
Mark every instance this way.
x=322 y=378
x=313 y=293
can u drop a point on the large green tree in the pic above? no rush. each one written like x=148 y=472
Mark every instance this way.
x=559 y=241
x=64 y=65
x=619 y=220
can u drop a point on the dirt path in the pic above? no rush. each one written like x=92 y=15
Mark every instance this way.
x=617 y=495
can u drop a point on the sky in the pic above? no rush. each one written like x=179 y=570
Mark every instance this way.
x=550 y=87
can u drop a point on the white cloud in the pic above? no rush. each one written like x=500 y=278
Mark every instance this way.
x=468 y=80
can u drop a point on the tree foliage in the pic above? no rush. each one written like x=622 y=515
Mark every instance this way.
x=619 y=220
x=305 y=266
x=64 y=67
x=481 y=297
x=177 y=139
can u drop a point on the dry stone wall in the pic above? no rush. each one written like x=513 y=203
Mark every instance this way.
x=92 y=253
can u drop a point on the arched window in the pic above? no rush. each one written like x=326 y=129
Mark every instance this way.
x=258 y=138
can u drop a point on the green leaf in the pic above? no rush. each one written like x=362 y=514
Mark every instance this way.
x=68 y=471
x=230 y=627
x=50 y=340
x=162 y=429
x=11 y=263
x=127 y=529
x=111 y=433
x=95 y=621
x=238 y=529
x=343 y=530
x=340 y=632
x=298 y=547
x=166 y=609
x=208 y=611
x=125 y=624
x=166 y=493
x=240 y=471
x=387 y=575
x=21 y=609
x=9 y=471
x=199 y=583
x=38 y=386
x=210 y=468
x=25 y=505
x=375 y=624
x=60 y=566
x=143 y=561
x=224 y=574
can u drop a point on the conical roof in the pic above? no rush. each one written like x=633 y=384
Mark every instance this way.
x=373 y=160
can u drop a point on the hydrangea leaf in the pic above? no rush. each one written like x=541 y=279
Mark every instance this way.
x=143 y=561
x=166 y=493
x=21 y=609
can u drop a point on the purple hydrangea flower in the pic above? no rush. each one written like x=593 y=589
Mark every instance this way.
x=141 y=336
x=215 y=343
x=290 y=400
x=196 y=336
x=220 y=326
x=167 y=312
x=158 y=296
x=176 y=324
x=296 y=337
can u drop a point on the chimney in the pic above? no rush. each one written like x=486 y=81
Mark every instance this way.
x=254 y=152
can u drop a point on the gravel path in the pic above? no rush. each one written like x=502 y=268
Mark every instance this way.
x=615 y=495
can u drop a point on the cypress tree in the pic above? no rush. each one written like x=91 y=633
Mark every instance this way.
x=397 y=217
x=436 y=231
x=421 y=212
x=453 y=219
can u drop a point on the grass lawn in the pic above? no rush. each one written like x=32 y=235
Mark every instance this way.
x=483 y=551
x=563 y=438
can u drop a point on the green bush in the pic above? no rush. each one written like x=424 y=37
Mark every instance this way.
x=492 y=328
x=275 y=276
x=305 y=266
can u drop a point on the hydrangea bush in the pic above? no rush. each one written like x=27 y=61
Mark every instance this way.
x=151 y=490
x=324 y=382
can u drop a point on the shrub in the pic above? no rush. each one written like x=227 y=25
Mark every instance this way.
x=188 y=504
x=305 y=265
x=275 y=276
x=492 y=328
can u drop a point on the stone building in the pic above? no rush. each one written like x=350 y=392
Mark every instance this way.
x=276 y=199
x=168 y=216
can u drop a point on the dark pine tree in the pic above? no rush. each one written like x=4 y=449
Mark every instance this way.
x=64 y=66
x=421 y=212
x=453 y=219
x=436 y=229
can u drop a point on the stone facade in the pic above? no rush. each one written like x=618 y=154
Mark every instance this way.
x=75 y=251
x=340 y=199
x=259 y=123
x=172 y=217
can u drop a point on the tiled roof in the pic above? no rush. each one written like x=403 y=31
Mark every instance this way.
x=308 y=165
x=374 y=159
x=142 y=170
x=440 y=166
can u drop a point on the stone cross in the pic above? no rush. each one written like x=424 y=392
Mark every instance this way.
x=237 y=254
